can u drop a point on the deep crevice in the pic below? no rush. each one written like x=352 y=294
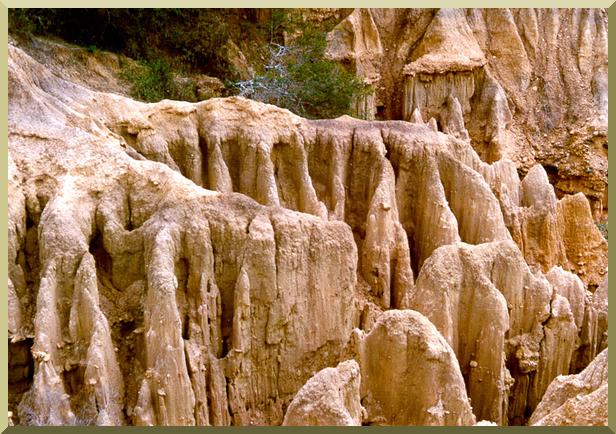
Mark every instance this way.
x=101 y=257
x=123 y=310
x=286 y=175
x=321 y=159
x=232 y=155
x=20 y=373
x=204 y=163
x=229 y=409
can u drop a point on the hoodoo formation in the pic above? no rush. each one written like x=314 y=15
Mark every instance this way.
x=228 y=262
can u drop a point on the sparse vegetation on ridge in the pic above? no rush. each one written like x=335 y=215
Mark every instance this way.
x=290 y=69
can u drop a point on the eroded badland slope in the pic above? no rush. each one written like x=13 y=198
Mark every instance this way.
x=227 y=262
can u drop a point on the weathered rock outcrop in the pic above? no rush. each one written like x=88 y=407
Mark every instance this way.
x=600 y=306
x=531 y=83
x=548 y=231
x=410 y=375
x=589 y=410
x=209 y=308
x=444 y=292
x=361 y=54
x=331 y=397
x=512 y=331
x=198 y=264
x=440 y=79
x=576 y=399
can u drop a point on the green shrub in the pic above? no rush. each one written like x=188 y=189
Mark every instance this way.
x=150 y=81
x=299 y=78
x=20 y=23
x=153 y=81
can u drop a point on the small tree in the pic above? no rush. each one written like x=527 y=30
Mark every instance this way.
x=299 y=78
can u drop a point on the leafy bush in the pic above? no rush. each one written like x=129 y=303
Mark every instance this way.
x=153 y=81
x=20 y=23
x=299 y=78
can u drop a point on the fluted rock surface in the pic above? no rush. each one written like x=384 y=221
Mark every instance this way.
x=211 y=263
x=576 y=399
x=205 y=308
x=410 y=375
x=330 y=397
x=512 y=331
x=600 y=305
x=531 y=83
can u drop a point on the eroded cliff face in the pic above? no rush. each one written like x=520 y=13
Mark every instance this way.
x=157 y=300
x=228 y=262
x=531 y=84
